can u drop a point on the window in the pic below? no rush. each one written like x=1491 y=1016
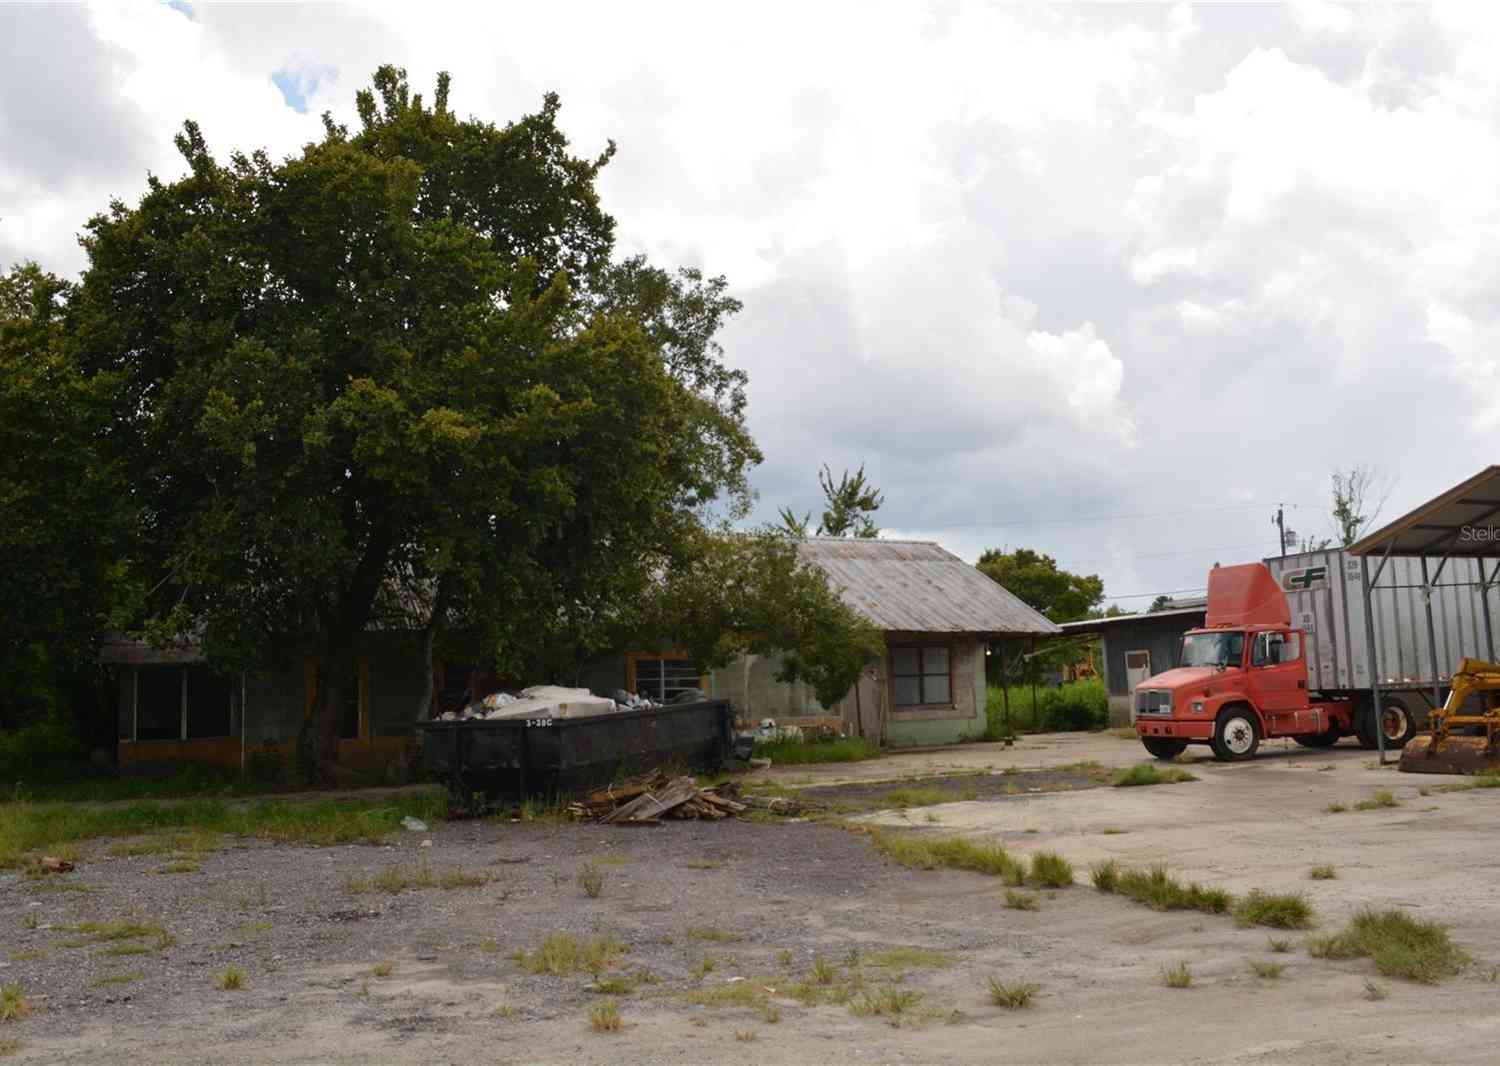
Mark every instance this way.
x=158 y=703
x=660 y=677
x=920 y=676
x=182 y=703
x=1271 y=649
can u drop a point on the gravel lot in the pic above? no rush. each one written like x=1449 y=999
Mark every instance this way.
x=762 y=901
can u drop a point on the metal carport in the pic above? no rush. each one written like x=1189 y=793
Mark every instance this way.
x=1453 y=525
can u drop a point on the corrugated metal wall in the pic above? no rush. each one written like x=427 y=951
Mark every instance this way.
x=1324 y=593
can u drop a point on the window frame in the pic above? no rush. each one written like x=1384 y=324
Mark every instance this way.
x=634 y=658
x=921 y=677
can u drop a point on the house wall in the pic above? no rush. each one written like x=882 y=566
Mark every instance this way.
x=1160 y=637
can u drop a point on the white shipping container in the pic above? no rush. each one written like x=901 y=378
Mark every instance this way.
x=1324 y=592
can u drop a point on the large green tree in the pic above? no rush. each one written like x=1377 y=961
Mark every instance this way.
x=1039 y=582
x=62 y=505
x=399 y=378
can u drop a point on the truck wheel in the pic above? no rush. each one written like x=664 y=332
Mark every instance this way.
x=1395 y=719
x=1236 y=734
x=1163 y=748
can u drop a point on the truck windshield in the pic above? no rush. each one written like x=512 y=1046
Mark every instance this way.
x=1212 y=649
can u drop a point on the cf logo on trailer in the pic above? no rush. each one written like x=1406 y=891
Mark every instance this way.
x=1311 y=577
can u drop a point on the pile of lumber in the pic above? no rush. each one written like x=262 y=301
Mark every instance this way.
x=648 y=799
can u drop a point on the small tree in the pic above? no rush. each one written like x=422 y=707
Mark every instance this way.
x=850 y=503
x=1359 y=494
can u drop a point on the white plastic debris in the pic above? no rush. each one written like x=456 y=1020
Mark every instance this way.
x=416 y=825
x=426 y=843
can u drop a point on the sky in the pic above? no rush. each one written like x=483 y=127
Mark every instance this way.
x=1110 y=282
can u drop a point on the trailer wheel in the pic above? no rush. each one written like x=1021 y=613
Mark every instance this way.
x=1164 y=748
x=1395 y=719
x=1236 y=734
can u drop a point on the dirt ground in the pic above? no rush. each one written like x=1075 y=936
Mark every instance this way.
x=762 y=902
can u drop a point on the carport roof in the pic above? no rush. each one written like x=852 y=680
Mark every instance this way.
x=1464 y=521
x=1100 y=625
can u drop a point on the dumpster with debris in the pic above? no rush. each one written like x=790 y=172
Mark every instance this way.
x=488 y=761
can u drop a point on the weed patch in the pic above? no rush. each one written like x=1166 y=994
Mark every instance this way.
x=715 y=936
x=1150 y=774
x=562 y=954
x=910 y=959
x=1020 y=901
x=1383 y=798
x=898 y=1006
x=1013 y=996
x=1050 y=870
x=1335 y=808
x=1322 y=873
x=1267 y=971
x=1179 y=975
x=591 y=879
x=605 y=1017
x=749 y=994
x=1274 y=911
x=112 y=979
x=1399 y=945
x=1280 y=945
x=805 y=752
x=1156 y=889
x=959 y=853
x=231 y=980
x=13 y=1003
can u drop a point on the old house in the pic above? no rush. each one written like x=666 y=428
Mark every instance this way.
x=939 y=615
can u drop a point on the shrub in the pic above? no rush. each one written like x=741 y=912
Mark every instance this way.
x=40 y=751
x=1078 y=705
x=1178 y=976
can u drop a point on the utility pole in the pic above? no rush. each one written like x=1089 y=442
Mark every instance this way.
x=1280 y=523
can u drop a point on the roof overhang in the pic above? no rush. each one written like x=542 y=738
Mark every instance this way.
x=1100 y=625
x=1463 y=522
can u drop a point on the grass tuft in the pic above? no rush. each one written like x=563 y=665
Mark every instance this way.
x=823 y=971
x=958 y=853
x=1275 y=911
x=1399 y=945
x=1178 y=975
x=1105 y=875
x=605 y=1017
x=910 y=959
x=1280 y=945
x=383 y=969
x=1268 y=971
x=1050 y=870
x=1020 y=901
x=1374 y=991
x=896 y=1005
x=231 y=980
x=1322 y=873
x=562 y=954
x=1150 y=774
x=1156 y=889
x=715 y=936
x=394 y=880
x=1383 y=798
x=591 y=879
x=1012 y=996
x=1336 y=808
x=13 y=1003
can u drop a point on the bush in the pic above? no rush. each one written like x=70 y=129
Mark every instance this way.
x=1078 y=705
x=40 y=750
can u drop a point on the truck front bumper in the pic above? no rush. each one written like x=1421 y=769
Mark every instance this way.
x=1177 y=729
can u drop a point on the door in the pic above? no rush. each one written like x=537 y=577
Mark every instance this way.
x=1137 y=669
x=1278 y=678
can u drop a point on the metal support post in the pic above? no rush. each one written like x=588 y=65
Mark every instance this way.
x=1437 y=688
x=1364 y=578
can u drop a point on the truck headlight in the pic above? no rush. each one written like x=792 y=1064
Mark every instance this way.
x=1197 y=706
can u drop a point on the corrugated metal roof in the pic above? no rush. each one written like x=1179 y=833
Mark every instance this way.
x=918 y=587
x=1464 y=521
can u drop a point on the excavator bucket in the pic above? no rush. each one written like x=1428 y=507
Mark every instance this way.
x=1442 y=750
x=1449 y=755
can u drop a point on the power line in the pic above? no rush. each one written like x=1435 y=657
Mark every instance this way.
x=1106 y=517
x=1143 y=595
x=1071 y=563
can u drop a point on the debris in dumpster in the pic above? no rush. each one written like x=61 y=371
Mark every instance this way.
x=549 y=701
x=648 y=799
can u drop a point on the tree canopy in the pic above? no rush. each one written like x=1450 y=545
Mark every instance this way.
x=1039 y=582
x=395 y=378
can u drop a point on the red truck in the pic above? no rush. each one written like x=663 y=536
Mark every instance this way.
x=1242 y=678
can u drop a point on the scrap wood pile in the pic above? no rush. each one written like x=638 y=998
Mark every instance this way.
x=646 y=800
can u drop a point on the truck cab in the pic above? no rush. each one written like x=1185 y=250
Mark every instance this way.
x=1239 y=679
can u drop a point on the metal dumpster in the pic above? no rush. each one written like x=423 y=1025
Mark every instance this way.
x=487 y=761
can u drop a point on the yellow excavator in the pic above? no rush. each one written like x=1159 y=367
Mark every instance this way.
x=1440 y=751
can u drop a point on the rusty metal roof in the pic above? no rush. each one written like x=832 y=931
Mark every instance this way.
x=918 y=587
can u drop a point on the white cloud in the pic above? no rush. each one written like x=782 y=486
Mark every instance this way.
x=1023 y=261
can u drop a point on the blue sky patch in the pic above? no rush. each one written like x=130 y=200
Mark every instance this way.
x=183 y=6
x=297 y=82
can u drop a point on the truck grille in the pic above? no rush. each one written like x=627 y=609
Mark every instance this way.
x=1150 y=701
